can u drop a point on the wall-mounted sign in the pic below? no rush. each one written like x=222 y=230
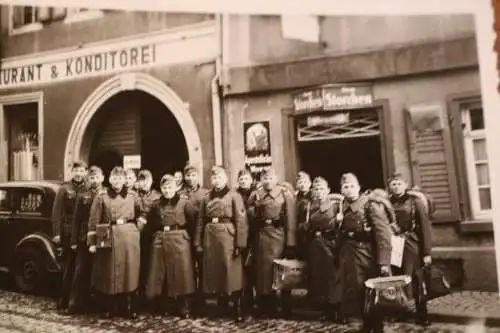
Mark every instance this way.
x=257 y=140
x=107 y=58
x=334 y=119
x=333 y=97
x=132 y=161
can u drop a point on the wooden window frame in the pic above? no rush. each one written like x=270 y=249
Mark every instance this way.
x=34 y=97
x=290 y=142
x=456 y=103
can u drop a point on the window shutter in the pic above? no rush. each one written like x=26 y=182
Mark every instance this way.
x=17 y=16
x=43 y=14
x=432 y=159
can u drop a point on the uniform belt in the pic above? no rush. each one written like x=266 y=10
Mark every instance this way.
x=173 y=227
x=277 y=223
x=221 y=220
x=330 y=233
x=122 y=221
x=359 y=236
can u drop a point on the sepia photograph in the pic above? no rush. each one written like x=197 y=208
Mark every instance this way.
x=169 y=167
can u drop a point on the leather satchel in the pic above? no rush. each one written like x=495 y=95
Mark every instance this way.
x=387 y=293
x=432 y=282
x=104 y=236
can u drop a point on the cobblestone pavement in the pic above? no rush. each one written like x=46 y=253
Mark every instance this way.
x=22 y=313
x=477 y=304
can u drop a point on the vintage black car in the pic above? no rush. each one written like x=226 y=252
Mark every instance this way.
x=26 y=248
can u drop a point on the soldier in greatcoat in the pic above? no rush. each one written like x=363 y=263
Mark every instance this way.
x=147 y=196
x=245 y=188
x=303 y=197
x=365 y=250
x=171 y=273
x=221 y=235
x=194 y=193
x=63 y=215
x=414 y=225
x=115 y=215
x=80 y=291
x=322 y=229
x=274 y=211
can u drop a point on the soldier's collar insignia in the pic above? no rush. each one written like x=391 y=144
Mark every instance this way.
x=219 y=194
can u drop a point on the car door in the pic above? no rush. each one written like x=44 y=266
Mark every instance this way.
x=29 y=214
x=6 y=211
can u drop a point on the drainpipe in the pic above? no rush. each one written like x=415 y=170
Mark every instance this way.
x=216 y=99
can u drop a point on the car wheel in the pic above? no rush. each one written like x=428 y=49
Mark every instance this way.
x=29 y=270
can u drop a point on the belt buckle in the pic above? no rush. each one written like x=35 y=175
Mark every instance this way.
x=215 y=220
x=120 y=221
x=166 y=228
x=268 y=221
x=350 y=234
x=318 y=233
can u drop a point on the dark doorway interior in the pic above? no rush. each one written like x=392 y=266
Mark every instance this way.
x=331 y=158
x=135 y=122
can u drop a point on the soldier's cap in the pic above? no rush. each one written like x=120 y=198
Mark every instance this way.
x=349 y=178
x=95 y=171
x=129 y=171
x=216 y=170
x=118 y=171
x=269 y=172
x=320 y=181
x=79 y=164
x=302 y=175
x=396 y=176
x=144 y=174
x=167 y=179
x=190 y=168
x=245 y=171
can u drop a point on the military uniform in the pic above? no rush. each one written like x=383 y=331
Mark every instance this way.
x=171 y=272
x=63 y=216
x=322 y=259
x=146 y=200
x=303 y=202
x=116 y=269
x=222 y=232
x=413 y=224
x=365 y=245
x=276 y=224
x=83 y=264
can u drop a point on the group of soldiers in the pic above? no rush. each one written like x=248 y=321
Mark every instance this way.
x=140 y=249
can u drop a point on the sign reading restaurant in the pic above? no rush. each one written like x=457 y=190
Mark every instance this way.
x=161 y=48
x=333 y=97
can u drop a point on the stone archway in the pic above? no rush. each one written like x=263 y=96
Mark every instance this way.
x=127 y=82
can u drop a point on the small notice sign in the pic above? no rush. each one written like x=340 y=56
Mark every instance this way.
x=132 y=161
x=398 y=247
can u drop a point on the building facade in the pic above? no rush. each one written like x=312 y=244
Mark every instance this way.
x=105 y=87
x=371 y=95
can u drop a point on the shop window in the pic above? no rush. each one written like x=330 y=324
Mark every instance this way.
x=476 y=160
x=22 y=141
x=82 y=14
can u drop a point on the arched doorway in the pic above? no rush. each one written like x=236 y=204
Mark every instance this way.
x=164 y=131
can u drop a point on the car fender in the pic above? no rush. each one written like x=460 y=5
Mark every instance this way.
x=45 y=244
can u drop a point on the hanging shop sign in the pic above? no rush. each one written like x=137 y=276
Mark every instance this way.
x=257 y=140
x=333 y=97
x=132 y=161
x=94 y=59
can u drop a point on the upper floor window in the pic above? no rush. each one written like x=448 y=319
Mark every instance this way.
x=476 y=159
x=28 y=18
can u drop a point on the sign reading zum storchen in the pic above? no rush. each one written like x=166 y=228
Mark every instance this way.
x=188 y=45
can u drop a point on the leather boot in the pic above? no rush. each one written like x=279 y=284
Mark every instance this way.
x=238 y=308
x=223 y=305
x=286 y=303
x=422 y=315
x=183 y=307
x=336 y=314
x=128 y=300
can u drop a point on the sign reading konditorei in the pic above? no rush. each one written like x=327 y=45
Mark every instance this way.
x=334 y=97
x=257 y=140
x=94 y=59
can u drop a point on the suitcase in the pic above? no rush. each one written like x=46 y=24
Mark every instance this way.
x=433 y=282
x=387 y=293
x=289 y=274
x=104 y=236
